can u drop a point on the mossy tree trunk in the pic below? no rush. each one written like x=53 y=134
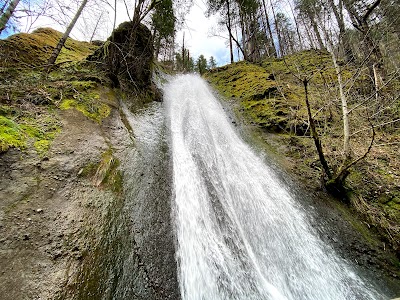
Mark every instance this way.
x=62 y=41
x=7 y=15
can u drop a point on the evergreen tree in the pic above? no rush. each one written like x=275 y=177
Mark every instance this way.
x=201 y=64
x=163 y=23
x=212 y=63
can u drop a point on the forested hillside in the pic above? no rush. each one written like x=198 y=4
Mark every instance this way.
x=86 y=157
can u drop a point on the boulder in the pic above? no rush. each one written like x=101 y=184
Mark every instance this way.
x=127 y=56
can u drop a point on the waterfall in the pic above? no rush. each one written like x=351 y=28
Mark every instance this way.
x=240 y=233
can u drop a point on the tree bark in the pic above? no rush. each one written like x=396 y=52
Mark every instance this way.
x=95 y=28
x=345 y=112
x=314 y=133
x=229 y=26
x=297 y=28
x=316 y=31
x=7 y=15
x=62 y=41
x=269 y=30
x=183 y=52
x=278 y=33
x=244 y=36
x=343 y=39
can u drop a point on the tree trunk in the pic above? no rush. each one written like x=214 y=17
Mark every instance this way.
x=343 y=39
x=244 y=37
x=253 y=53
x=7 y=15
x=229 y=26
x=371 y=50
x=115 y=14
x=183 y=52
x=271 y=38
x=318 y=35
x=314 y=134
x=345 y=113
x=62 y=41
x=95 y=28
x=297 y=28
x=277 y=32
x=308 y=30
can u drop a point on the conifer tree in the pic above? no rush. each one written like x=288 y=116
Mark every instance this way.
x=212 y=63
x=201 y=64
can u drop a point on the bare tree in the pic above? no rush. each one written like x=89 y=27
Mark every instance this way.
x=62 y=41
x=5 y=17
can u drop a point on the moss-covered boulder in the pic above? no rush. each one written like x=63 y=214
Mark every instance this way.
x=127 y=56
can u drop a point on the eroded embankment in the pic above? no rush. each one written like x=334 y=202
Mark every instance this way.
x=79 y=222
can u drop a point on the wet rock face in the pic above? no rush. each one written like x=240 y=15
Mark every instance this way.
x=128 y=54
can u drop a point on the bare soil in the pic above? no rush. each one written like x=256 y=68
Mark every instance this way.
x=53 y=215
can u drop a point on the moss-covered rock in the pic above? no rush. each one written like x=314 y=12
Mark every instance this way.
x=266 y=101
x=30 y=102
x=89 y=98
x=23 y=128
x=128 y=56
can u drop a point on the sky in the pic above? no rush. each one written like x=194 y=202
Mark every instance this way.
x=197 y=30
x=199 y=38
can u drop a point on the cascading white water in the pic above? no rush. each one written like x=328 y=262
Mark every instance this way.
x=240 y=233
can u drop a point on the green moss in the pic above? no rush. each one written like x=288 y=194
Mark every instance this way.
x=272 y=94
x=108 y=174
x=22 y=129
x=83 y=85
x=42 y=146
x=35 y=49
x=88 y=98
x=11 y=135
x=88 y=170
x=92 y=110
x=265 y=101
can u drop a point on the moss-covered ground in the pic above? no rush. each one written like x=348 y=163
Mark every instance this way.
x=31 y=101
x=33 y=50
x=271 y=96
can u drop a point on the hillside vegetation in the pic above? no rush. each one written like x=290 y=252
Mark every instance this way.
x=64 y=143
x=271 y=96
x=29 y=99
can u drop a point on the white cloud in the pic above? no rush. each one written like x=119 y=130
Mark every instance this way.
x=198 y=37
x=197 y=28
